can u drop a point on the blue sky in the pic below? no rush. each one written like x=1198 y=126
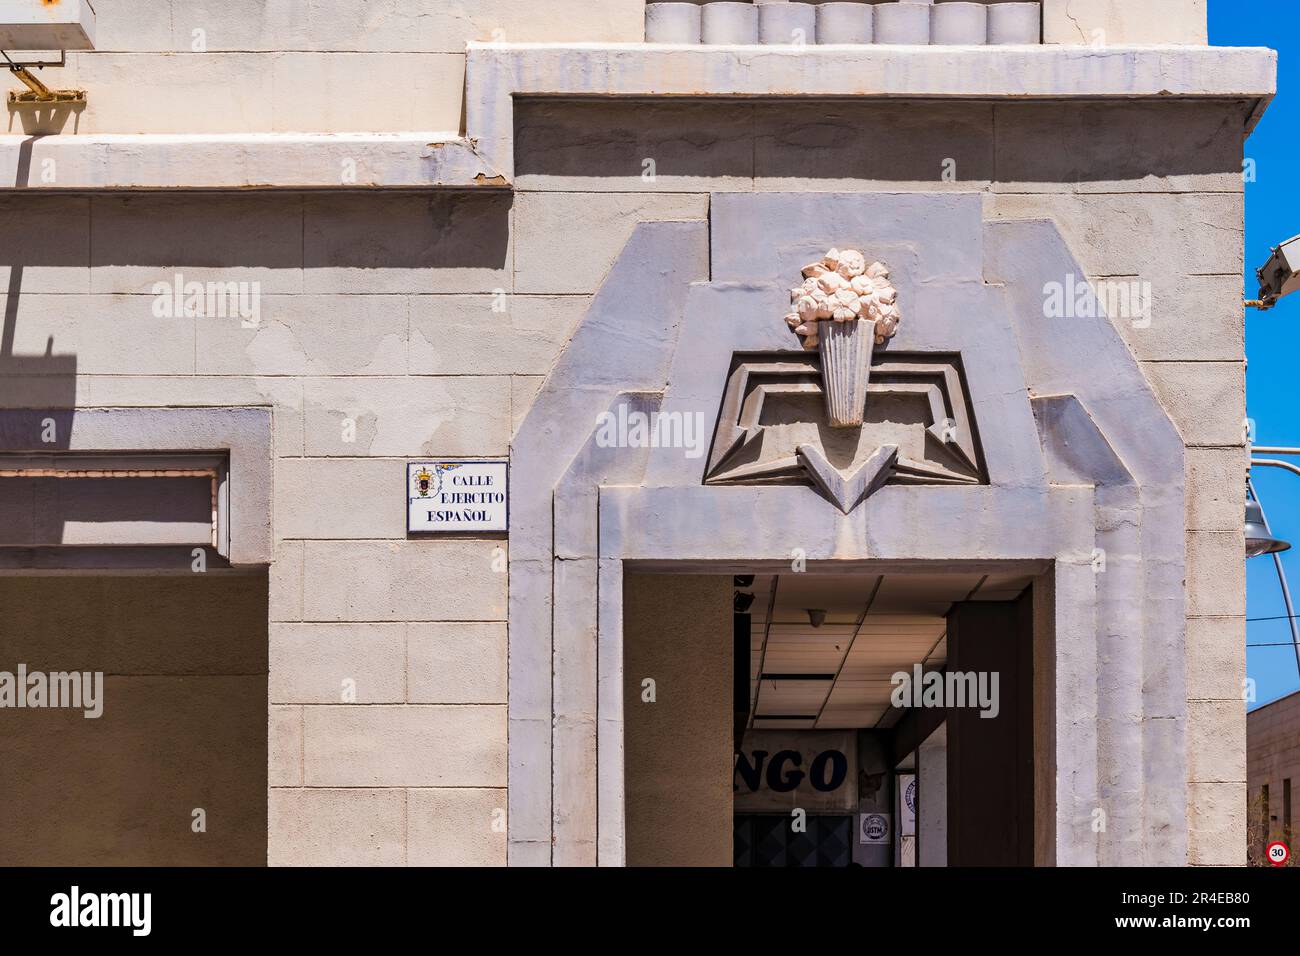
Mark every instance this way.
x=1272 y=338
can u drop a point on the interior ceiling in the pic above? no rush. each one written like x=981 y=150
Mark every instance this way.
x=837 y=676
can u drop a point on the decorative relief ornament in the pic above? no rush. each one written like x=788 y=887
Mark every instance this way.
x=898 y=418
x=845 y=308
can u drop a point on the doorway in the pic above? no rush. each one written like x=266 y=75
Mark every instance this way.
x=864 y=718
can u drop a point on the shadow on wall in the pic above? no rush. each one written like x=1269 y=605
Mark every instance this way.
x=83 y=249
x=968 y=142
x=43 y=119
x=43 y=382
x=160 y=233
x=81 y=279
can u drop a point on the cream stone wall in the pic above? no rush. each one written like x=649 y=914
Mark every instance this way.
x=1118 y=22
x=378 y=310
x=256 y=66
x=376 y=314
x=245 y=66
x=379 y=341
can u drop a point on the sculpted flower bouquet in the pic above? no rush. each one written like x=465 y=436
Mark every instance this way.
x=845 y=307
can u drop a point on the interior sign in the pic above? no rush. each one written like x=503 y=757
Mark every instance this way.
x=450 y=497
x=873 y=828
x=779 y=770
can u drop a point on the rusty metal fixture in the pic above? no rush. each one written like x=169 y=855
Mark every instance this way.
x=37 y=91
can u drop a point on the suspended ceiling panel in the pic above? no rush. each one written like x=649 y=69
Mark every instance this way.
x=838 y=675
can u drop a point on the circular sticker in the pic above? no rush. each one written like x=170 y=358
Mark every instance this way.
x=909 y=795
x=876 y=827
x=1278 y=853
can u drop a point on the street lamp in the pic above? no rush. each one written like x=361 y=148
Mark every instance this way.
x=1278 y=277
x=1259 y=537
x=1259 y=540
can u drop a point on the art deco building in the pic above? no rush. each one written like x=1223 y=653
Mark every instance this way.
x=542 y=432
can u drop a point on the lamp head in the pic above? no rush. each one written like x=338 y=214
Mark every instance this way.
x=1259 y=540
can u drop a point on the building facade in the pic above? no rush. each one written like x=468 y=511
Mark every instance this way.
x=282 y=259
x=1273 y=767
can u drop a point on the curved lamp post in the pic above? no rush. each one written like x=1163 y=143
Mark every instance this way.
x=1259 y=537
x=1278 y=277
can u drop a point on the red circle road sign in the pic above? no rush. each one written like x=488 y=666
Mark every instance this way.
x=1278 y=853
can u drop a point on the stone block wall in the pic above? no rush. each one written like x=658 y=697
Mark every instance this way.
x=256 y=66
x=401 y=325
x=247 y=66
x=1117 y=22
x=1274 y=759
x=378 y=341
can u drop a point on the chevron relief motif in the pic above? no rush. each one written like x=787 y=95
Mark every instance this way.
x=917 y=428
x=849 y=489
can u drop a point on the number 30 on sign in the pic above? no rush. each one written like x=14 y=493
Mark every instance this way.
x=1278 y=853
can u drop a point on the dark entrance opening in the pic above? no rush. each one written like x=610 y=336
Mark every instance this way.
x=873 y=718
x=988 y=812
x=905 y=701
x=174 y=770
x=763 y=840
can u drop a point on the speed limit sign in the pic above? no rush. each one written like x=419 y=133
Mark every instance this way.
x=1278 y=854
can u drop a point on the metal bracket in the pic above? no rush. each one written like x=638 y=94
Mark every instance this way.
x=36 y=64
x=38 y=92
